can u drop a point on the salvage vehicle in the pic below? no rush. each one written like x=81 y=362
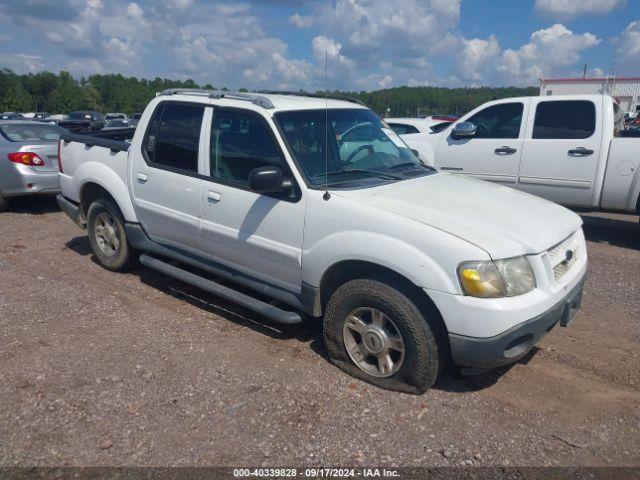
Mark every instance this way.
x=83 y=121
x=315 y=208
x=567 y=149
x=28 y=159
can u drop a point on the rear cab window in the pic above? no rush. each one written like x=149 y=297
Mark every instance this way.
x=30 y=132
x=564 y=119
x=173 y=137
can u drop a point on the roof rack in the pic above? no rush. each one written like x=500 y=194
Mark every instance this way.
x=254 y=98
x=314 y=95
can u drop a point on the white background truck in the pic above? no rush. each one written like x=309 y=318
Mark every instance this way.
x=562 y=148
x=293 y=215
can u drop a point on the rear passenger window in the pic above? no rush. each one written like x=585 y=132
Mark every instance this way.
x=241 y=142
x=565 y=119
x=173 y=137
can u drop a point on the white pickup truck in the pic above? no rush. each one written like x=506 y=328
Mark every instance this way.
x=314 y=207
x=566 y=149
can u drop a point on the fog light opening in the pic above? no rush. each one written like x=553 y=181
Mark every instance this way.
x=519 y=346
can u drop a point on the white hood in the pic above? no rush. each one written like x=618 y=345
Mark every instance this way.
x=502 y=221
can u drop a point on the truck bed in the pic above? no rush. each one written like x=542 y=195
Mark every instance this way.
x=96 y=158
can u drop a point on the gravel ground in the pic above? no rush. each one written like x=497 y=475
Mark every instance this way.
x=100 y=368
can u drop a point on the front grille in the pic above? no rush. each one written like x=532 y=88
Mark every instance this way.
x=564 y=256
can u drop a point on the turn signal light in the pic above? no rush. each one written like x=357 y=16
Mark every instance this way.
x=26 y=158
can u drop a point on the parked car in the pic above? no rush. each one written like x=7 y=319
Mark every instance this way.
x=116 y=116
x=11 y=116
x=407 y=267
x=567 y=149
x=116 y=123
x=40 y=115
x=135 y=118
x=407 y=125
x=56 y=118
x=28 y=159
x=83 y=121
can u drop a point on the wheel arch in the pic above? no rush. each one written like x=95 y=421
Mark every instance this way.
x=346 y=270
x=91 y=190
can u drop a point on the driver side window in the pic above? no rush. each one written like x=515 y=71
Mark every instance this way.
x=498 y=121
x=240 y=142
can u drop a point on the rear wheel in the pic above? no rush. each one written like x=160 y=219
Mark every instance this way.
x=376 y=333
x=107 y=236
x=4 y=203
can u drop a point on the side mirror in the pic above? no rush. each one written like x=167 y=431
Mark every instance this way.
x=415 y=152
x=266 y=180
x=463 y=130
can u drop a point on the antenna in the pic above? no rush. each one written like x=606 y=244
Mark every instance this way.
x=326 y=195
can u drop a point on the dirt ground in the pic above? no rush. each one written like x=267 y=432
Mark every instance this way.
x=100 y=368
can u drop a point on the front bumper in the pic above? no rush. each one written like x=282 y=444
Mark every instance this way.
x=513 y=344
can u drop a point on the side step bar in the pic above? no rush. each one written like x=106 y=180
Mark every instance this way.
x=274 y=313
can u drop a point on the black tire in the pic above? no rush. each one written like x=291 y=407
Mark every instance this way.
x=123 y=257
x=4 y=203
x=423 y=358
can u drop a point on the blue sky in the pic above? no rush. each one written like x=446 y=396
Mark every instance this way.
x=280 y=44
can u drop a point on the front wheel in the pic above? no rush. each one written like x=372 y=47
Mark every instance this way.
x=107 y=236
x=376 y=333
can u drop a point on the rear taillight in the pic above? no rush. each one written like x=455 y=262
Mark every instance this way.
x=26 y=158
x=59 y=156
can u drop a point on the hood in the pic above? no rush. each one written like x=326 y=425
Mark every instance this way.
x=502 y=221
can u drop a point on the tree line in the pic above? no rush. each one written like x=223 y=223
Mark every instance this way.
x=61 y=93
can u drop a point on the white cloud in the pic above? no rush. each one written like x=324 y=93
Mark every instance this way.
x=134 y=10
x=566 y=9
x=301 y=21
x=549 y=50
x=628 y=45
x=477 y=59
x=22 y=62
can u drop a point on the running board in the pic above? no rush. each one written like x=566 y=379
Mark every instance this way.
x=274 y=313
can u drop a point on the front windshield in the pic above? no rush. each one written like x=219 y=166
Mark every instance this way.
x=359 y=147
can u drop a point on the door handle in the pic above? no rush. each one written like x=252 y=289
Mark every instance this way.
x=214 y=196
x=452 y=169
x=505 y=150
x=580 y=152
x=142 y=177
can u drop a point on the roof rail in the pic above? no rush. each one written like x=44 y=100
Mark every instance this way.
x=254 y=98
x=315 y=95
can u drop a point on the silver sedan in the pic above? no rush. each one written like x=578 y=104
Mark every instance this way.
x=28 y=159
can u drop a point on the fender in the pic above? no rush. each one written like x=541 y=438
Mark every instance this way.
x=425 y=148
x=621 y=185
x=399 y=256
x=100 y=174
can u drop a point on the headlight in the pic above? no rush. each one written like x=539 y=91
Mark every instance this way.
x=502 y=278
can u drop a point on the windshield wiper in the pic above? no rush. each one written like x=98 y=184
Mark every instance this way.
x=362 y=170
x=412 y=164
